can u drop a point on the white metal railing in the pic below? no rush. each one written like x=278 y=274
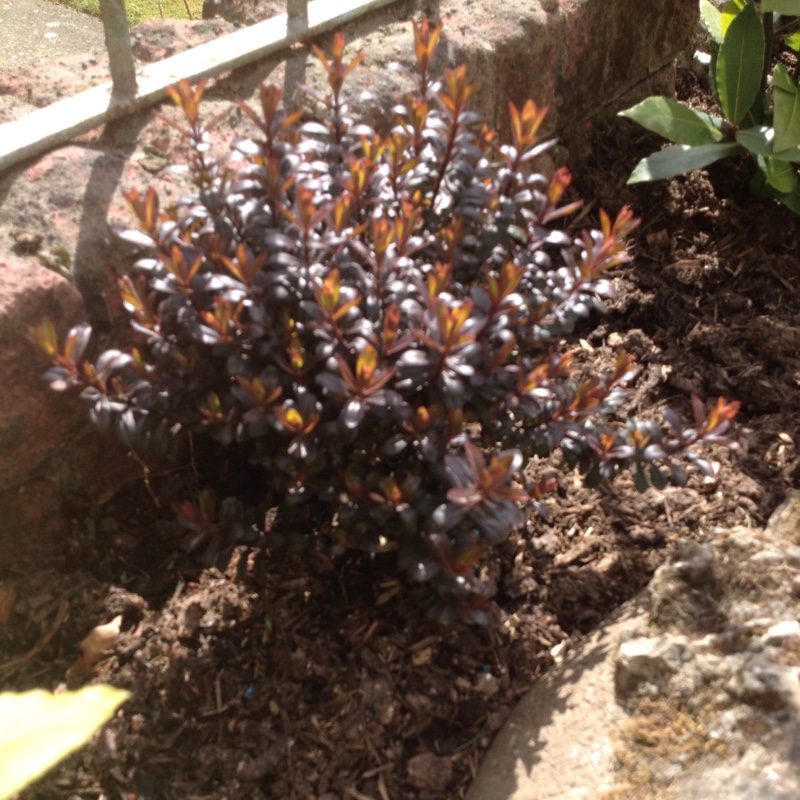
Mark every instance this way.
x=132 y=88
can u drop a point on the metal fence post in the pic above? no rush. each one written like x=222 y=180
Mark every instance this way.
x=120 y=53
x=59 y=122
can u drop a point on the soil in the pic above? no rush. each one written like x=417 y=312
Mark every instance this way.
x=319 y=677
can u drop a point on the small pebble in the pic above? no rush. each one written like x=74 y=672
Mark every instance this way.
x=487 y=684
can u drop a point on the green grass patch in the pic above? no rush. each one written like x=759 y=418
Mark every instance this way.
x=139 y=10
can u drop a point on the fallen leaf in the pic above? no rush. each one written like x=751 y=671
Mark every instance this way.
x=422 y=657
x=100 y=642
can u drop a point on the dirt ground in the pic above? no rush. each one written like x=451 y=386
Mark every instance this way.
x=318 y=677
x=36 y=31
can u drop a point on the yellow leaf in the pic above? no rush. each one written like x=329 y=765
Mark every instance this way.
x=40 y=728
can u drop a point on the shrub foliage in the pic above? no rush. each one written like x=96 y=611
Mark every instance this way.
x=759 y=108
x=376 y=324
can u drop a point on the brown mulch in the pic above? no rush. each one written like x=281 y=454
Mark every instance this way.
x=320 y=678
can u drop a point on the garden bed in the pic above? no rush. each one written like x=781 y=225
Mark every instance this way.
x=321 y=679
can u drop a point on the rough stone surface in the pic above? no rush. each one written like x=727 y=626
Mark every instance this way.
x=34 y=422
x=558 y=742
x=579 y=57
x=665 y=701
x=56 y=214
x=29 y=292
x=47 y=451
x=242 y=12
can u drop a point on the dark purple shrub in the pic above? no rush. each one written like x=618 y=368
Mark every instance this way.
x=373 y=323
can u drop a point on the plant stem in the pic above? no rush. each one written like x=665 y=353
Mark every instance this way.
x=769 y=38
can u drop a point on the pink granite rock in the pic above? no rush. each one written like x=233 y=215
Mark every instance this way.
x=33 y=420
x=48 y=452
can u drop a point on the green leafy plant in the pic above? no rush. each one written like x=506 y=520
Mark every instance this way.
x=374 y=323
x=761 y=111
x=40 y=728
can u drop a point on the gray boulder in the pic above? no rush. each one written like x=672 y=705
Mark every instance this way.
x=691 y=690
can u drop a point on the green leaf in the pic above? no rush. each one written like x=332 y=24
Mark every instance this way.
x=760 y=142
x=781 y=175
x=791 y=200
x=712 y=18
x=757 y=185
x=786 y=97
x=728 y=14
x=40 y=728
x=757 y=113
x=740 y=64
x=757 y=141
x=713 y=49
x=789 y=8
x=792 y=155
x=793 y=41
x=675 y=121
x=679 y=159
